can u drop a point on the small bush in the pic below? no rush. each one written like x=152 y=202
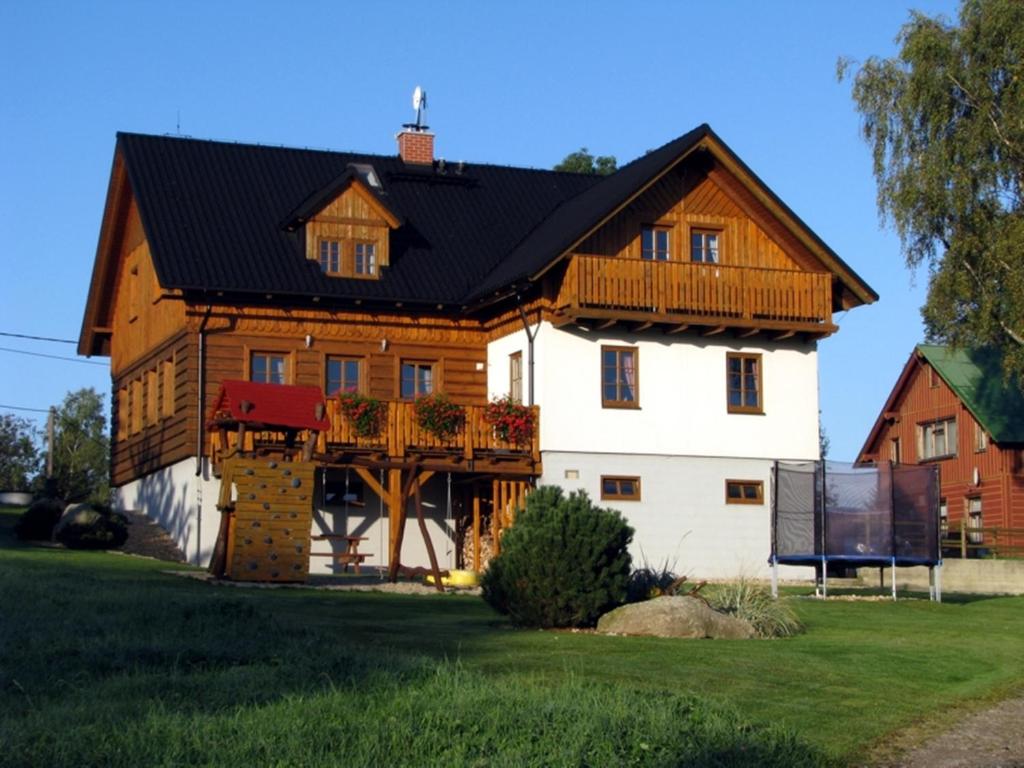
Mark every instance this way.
x=38 y=521
x=754 y=603
x=92 y=526
x=563 y=563
x=647 y=582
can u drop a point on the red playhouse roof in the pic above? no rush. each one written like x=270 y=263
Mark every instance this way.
x=281 y=406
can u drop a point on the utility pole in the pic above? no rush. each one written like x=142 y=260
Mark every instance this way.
x=51 y=490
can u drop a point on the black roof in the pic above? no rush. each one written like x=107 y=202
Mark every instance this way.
x=216 y=215
x=226 y=217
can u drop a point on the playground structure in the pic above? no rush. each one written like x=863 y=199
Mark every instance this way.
x=825 y=513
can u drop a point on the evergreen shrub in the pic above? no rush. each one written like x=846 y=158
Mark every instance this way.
x=563 y=564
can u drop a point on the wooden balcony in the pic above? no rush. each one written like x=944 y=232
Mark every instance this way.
x=475 y=447
x=684 y=294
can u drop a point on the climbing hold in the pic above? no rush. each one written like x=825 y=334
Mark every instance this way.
x=272 y=464
x=296 y=482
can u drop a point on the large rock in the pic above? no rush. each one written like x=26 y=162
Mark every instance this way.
x=86 y=526
x=673 y=617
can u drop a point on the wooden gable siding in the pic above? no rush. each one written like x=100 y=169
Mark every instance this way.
x=144 y=316
x=689 y=200
x=349 y=217
x=1000 y=468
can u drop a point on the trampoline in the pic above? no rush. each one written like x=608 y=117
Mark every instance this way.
x=827 y=513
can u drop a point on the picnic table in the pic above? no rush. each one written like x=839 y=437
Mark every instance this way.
x=349 y=556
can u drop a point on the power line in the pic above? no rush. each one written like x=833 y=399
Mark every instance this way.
x=52 y=357
x=22 y=408
x=38 y=338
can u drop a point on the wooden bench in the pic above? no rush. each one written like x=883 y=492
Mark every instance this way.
x=351 y=555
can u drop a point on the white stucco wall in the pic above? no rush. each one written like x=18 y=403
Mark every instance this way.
x=681 y=519
x=183 y=504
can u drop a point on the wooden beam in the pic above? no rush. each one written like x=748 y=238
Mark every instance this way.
x=476 y=528
x=783 y=335
x=750 y=332
x=426 y=534
x=642 y=327
x=371 y=481
x=606 y=324
x=714 y=331
x=678 y=328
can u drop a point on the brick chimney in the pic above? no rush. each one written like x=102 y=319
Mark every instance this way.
x=416 y=146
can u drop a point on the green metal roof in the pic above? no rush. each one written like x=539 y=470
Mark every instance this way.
x=976 y=376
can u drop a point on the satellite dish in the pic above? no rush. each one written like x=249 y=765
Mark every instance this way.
x=419 y=103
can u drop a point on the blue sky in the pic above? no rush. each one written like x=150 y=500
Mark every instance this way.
x=520 y=83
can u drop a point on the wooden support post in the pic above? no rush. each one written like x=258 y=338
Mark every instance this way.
x=476 y=529
x=307 y=447
x=426 y=536
x=398 y=524
x=495 y=520
x=240 y=448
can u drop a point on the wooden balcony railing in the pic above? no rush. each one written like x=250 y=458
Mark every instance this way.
x=695 y=289
x=400 y=437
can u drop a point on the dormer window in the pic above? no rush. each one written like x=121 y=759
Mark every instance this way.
x=654 y=243
x=330 y=256
x=365 y=260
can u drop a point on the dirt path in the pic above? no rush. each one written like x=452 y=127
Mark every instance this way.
x=988 y=738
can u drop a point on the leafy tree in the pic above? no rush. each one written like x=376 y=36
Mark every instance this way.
x=945 y=122
x=19 y=456
x=81 y=448
x=584 y=162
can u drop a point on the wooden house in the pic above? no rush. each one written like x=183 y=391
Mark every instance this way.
x=661 y=323
x=953 y=408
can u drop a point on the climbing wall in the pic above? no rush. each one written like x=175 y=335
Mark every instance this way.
x=269 y=529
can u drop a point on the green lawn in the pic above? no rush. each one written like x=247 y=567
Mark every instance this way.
x=104 y=660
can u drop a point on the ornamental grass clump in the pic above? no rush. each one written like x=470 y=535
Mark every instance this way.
x=512 y=421
x=439 y=416
x=562 y=564
x=753 y=602
x=366 y=414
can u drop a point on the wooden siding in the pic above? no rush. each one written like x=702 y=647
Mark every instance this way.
x=1000 y=468
x=171 y=436
x=688 y=200
x=144 y=315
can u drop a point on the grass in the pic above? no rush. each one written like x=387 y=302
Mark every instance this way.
x=105 y=660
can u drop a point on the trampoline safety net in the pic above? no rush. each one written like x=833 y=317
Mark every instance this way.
x=831 y=511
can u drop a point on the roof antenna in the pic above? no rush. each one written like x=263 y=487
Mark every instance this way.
x=419 y=103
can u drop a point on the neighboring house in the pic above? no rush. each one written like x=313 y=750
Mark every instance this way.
x=954 y=408
x=662 y=321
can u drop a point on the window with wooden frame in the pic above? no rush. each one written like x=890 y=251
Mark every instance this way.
x=620 y=377
x=135 y=408
x=330 y=256
x=416 y=379
x=167 y=385
x=980 y=438
x=895 y=455
x=933 y=378
x=744 y=492
x=515 y=377
x=342 y=374
x=743 y=383
x=364 y=259
x=704 y=245
x=936 y=439
x=152 y=398
x=655 y=243
x=268 y=368
x=618 y=488
x=974 y=521
x=122 y=413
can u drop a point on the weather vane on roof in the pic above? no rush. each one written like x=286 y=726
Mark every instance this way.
x=419 y=103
